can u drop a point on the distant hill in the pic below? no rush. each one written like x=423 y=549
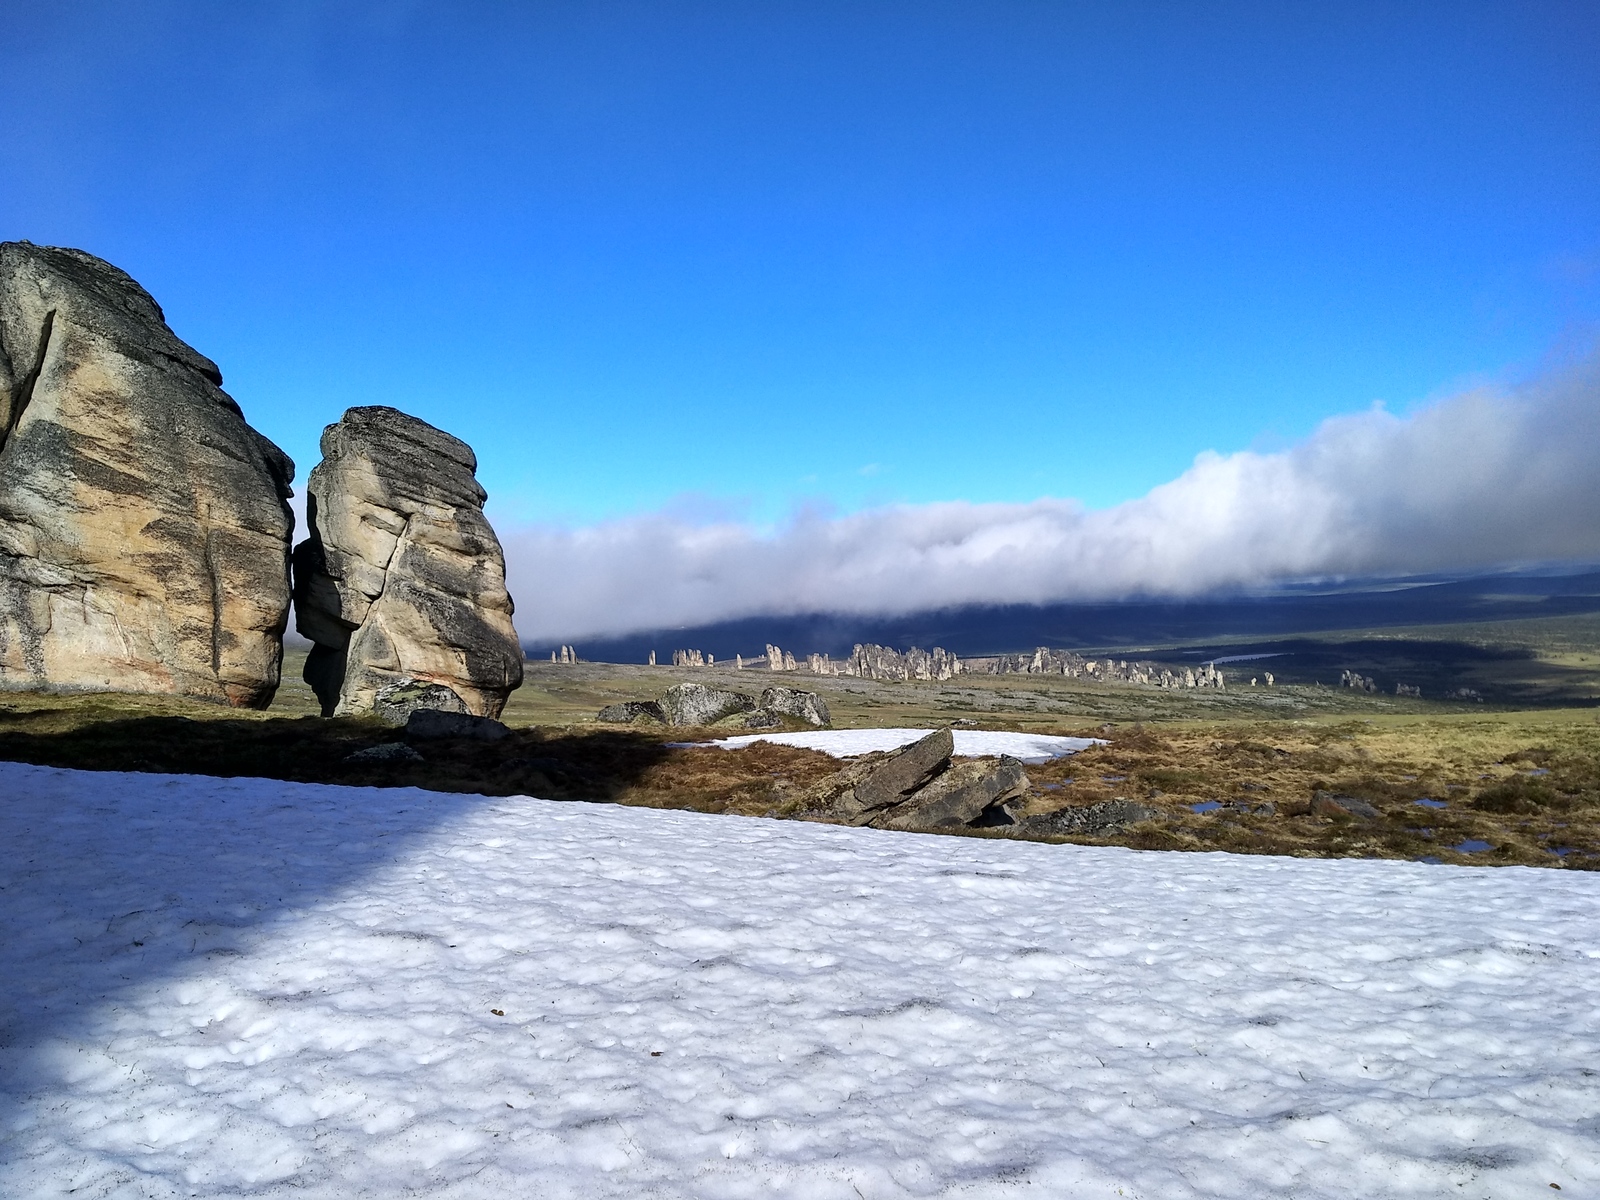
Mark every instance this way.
x=1130 y=624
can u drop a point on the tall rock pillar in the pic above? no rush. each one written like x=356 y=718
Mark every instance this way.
x=144 y=526
x=402 y=583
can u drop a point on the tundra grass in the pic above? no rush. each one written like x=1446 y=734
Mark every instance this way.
x=1233 y=770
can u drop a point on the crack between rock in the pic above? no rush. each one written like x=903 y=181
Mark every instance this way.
x=24 y=393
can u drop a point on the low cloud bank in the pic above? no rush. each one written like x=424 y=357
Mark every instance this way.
x=1485 y=478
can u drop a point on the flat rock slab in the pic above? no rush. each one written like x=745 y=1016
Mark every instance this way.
x=969 y=743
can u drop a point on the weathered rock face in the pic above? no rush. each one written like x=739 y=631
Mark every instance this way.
x=698 y=704
x=962 y=796
x=866 y=791
x=144 y=528
x=918 y=787
x=625 y=712
x=792 y=702
x=402 y=580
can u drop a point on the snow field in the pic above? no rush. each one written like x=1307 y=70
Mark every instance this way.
x=970 y=743
x=244 y=987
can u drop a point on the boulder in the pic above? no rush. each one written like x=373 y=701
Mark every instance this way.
x=144 y=526
x=763 y=719
x=791 y=702
x=904 y=771
x=628 y=711
x=395 y=702
x=701 y=704
x=427 y=724
x=865 y=790
x=402 y=581
x=1326 y=804
x=972 y=791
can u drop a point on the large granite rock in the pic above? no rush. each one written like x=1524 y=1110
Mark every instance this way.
x=144 y=526
x=402 y=581
x=792 y=702
x=699 y=704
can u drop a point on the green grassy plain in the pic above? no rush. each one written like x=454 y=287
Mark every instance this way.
x=1519 y=772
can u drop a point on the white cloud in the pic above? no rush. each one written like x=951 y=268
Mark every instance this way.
x=1487 y=477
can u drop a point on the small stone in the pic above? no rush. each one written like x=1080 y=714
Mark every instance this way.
x=859 y=792
x=1326 y=804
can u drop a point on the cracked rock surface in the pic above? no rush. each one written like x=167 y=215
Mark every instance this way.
x=402 y=581
x=144 y=526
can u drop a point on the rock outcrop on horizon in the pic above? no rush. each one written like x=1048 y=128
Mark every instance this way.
x=144 y=525
x=402 y=581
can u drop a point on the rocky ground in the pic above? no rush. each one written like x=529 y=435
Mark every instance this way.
x=1238 y=770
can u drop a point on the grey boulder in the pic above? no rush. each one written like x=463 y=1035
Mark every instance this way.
x=431 y=723
x=969 y=792
x=402 y=580
x=626 y=712
x=394 y=703
x=144 y=526
x=792 y=702
x=865 y=791
x=894 y=779
x=700 y=704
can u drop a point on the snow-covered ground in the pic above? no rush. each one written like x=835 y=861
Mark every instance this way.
x=970 y=743
x=242 y=987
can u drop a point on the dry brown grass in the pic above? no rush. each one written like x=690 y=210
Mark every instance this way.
x=1527 y=783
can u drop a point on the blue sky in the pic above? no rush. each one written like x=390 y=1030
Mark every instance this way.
x=741 y=258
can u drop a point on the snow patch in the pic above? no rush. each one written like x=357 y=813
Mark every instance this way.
x=970 y=743
x=221 y=987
